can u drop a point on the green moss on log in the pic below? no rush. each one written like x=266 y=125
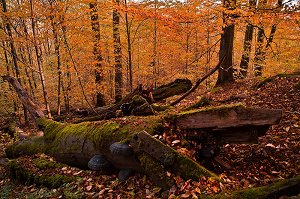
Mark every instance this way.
x=190 y=169
x=204 y=101
x=22 y=173
x=46 y=164
x=270 y=79
x=26 y=147
x=70 y=137
x=174 y=88
x=156 y=172
x=288 y=187
x=221 y=110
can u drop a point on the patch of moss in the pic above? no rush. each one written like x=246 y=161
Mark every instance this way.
x=26 y=147
x=103 y=135
x=221 y=110
x=270 y=79
x=50 y=128
x=138 y=100
x=46 y=164
x=205 y=100
x=274 y=190
x=159 y=108
x=192 y=170
x=53 y=181
x=22 y=174
x=215 y=89
x=156 y=172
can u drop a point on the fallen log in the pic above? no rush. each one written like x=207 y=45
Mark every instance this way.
x=127 y=144
x=76 y=144
x=176 y=87
x=287 y=187
x=227 y=124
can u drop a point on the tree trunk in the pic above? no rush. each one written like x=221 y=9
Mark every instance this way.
x=259 y=53
x=129 y=52
x=57 y=52
x=33 y=109
x=118 y=54
x=154 y=61
x=100 y=101
x=247 y=46
x=39 y=60
x=225 y=73
x=13 y=51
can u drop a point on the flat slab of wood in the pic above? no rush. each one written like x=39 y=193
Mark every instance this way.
x=230 y=116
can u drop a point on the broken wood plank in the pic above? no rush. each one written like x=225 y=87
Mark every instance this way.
x=226 y=117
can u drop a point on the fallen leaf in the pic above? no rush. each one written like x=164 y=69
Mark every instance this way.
x=88 y=188
x=176 y=142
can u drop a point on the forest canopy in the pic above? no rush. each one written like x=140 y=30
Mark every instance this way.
x=74 y=53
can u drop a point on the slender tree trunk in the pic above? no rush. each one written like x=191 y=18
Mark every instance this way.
x=246 y=50
x=225 y=73
x=30 y=62
x=57 y=52
x=23 y=57
x=118 y=54
x=207 y=81
x=39 y=60
x=247 y=46
x=66 y=86
x=259 y=53
x=110 y=71
x=8 y=73
x=154 y=62
x=100 y=101
x=128 y=49
x=13 y=50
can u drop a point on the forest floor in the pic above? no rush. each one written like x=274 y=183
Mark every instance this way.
x=275 y=157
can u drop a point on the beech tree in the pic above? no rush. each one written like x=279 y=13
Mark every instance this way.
x=225 y=73
x=117 y=53
x=100 y=101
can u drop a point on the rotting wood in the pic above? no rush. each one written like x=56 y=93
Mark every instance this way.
x=32 y=108
x=75 y=144
x=229 y=116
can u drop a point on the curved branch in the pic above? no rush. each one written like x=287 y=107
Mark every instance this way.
x=198 y=83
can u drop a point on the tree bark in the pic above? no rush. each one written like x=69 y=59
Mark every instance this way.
x=129 y=50
x=100 y=101
x=57 y=52
x=117 y=53
x=39 y=60
x=225 y=72
x=33 y=109
x=247 y=46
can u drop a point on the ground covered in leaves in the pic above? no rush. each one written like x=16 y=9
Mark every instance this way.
x=275 y=157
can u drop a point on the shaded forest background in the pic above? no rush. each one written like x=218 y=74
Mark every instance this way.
x=71 y=54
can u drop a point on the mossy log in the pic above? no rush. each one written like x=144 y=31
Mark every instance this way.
x=287 y=187
x=147 y=97
x=270 y=79
x=38 y=171
x=76 y=144
x=176 y=87
x=227 y=124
